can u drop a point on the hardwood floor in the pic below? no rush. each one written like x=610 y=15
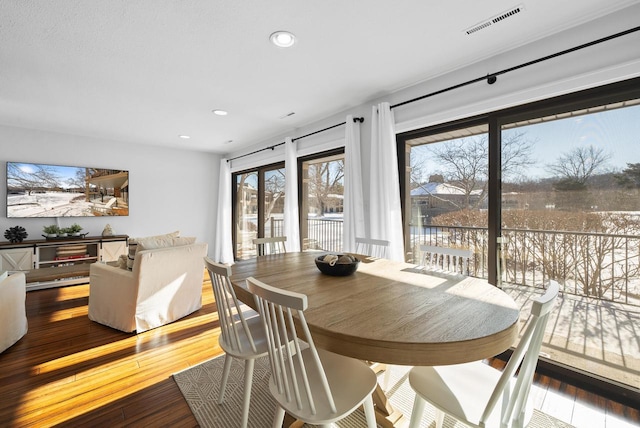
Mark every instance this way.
x=70 y=371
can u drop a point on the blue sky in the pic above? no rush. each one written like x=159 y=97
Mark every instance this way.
x=62 y=172
x=616 y=131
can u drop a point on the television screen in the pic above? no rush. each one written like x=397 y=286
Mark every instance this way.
x=39 y=190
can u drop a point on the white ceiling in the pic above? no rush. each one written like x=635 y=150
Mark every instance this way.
x=147 y=71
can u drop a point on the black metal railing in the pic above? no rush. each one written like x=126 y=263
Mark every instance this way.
x=598 y=265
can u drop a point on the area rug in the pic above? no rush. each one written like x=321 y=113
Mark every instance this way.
x=200 y=387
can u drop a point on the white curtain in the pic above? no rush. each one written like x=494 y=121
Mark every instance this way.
x=385 y=215
x=291 y=218
x=353 y=210
x=223 y=247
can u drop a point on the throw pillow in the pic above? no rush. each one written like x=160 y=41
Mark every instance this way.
x=133 y=245
x=152 y=244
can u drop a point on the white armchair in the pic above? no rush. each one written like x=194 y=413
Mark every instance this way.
x=13 y=317
x=164 y=285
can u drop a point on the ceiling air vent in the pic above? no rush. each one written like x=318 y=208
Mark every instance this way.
x=495 y=19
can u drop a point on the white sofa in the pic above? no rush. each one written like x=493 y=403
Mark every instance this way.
x=165 y=284
x=13 y=316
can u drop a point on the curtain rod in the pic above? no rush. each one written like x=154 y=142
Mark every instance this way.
x=491 y=78
x=355 y=119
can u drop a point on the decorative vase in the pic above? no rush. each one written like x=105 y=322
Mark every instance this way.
x=108 y=231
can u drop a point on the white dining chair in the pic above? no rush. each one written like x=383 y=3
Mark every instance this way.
x=271 y=245
x=372 y=247
x=479 y=395
x=242 y=335
x=445 y=259
x=312 y=385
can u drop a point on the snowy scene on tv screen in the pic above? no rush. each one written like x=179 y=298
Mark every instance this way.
x=39 y=190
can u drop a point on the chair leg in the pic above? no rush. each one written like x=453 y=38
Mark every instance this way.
x=416 y=413
x=225 y=377
x=369 y=412
x=278 y=418
x=248 y=382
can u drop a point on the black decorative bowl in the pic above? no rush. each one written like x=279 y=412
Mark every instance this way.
x=345 y=265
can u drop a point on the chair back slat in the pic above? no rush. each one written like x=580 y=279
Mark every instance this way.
x=447 y=259
x=515 y=399
x=233 y=323
x=284 y=321
x=270 y=245
x=372 y=247
x=264 y=309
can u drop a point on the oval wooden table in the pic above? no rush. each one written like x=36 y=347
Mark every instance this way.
x=392 y=312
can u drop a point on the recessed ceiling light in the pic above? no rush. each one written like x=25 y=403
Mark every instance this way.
x=185 y=137
x=283 y=39
x=220 y=112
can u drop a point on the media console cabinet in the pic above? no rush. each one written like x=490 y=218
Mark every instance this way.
x=61 y=261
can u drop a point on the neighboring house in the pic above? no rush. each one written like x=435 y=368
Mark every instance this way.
x=110 y=183
x=432 y=199
x=330 y=204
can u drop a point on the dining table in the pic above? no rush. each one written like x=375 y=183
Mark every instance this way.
x=391 y=312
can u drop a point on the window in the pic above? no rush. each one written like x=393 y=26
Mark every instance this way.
x=448 y=184
x=571 y=213
x=558 y=198
x=258 y=207
x=322 y=190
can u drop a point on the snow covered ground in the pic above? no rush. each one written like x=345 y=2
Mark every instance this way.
x=48 y=204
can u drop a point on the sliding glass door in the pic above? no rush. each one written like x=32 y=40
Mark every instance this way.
x=540 y=192
x=572 y=215
x=258 y=207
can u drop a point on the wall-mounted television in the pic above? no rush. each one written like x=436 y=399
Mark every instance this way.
x=41 y=190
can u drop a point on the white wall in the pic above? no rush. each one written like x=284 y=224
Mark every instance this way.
x=169 y=189
x=609 y=62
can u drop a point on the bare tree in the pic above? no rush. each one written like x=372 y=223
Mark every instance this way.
x=465 y=162
x=79 y=180
x=576 y=166
x=41 y=177
x=325 y=178
x=516 y=154
x=418 y=168
x=274 y=183
x=244 y=195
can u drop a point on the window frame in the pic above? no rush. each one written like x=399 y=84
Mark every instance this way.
x=605 y=94
x=260 y=170
x=302 y=202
